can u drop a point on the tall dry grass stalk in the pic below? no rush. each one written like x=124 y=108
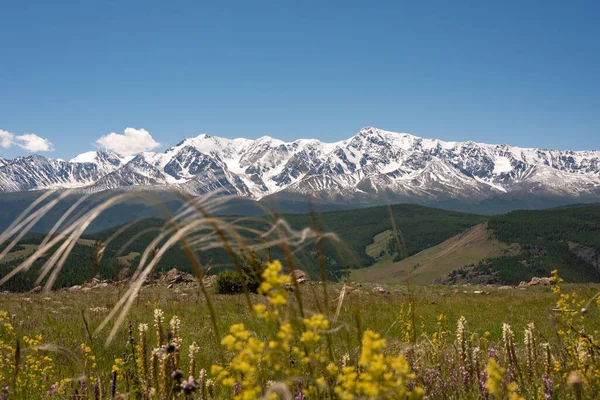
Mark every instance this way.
x=195 y=227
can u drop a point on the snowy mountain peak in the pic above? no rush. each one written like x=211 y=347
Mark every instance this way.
x=371 y=162
x=87 y=157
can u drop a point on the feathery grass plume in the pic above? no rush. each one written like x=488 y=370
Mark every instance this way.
x=547 y=358
x=176 y=340
x=143 y=357
x=462 y=345
x=530 y=349
x=158 y=322
x=164 y=372
x=508 y=339
x=154 y=366
x=192 y=353
x=476 y=362
x=206 y=385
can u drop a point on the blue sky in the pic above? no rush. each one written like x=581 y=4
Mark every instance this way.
x=519 y=72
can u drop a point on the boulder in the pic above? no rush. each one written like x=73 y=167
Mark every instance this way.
x=174 y=276
x=301 y=276
x=380 y=290
x=535 y=281
x=100 y=285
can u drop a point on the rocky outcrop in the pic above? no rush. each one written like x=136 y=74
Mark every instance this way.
x=380 y=290
x=587 y=254
x=535 y=281
x=301 y=276
x=174 y=277
x=169 y=279
x=37 y=289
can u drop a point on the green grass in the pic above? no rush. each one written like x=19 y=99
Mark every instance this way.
x=59 y=315
x=543 y=237
x=468 y=247
x=28 y=249
x=379 y=250
x=421 y=227
x=25 y=251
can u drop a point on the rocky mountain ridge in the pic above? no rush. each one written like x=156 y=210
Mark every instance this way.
x=373 y=163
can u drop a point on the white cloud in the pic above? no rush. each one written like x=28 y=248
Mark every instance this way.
x=133 y=141
x=6 y=139
x=29 y=141
x=33 y=143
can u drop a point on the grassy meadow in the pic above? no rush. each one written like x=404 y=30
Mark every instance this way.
x=68 y=320
x=390 y=339
x=468 y=247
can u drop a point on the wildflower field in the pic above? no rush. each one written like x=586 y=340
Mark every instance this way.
x=320 y=342
x=130 y=340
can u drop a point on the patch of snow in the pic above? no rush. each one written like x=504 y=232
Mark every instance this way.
x=87 y=157
x=502 y=165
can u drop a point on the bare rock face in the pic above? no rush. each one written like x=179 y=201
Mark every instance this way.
x=587 y=254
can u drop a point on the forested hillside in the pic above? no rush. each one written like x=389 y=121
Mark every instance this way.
x=420 y=228
x=512 y=248
x=546 y=239
x=566 y=239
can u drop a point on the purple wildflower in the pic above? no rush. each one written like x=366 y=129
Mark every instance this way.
x=189 y=386
x=177 y=375
x=483 y=376
x=5 y=392
x=547 y=386
x=299 y=395
x=96 y=391
x=237 y=389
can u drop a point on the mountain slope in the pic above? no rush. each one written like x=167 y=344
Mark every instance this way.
x=372 y=167
x=422 y=228
x=510 y=249
x=468 y=247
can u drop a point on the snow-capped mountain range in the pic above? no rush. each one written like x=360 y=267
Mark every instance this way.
x=370 y=164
